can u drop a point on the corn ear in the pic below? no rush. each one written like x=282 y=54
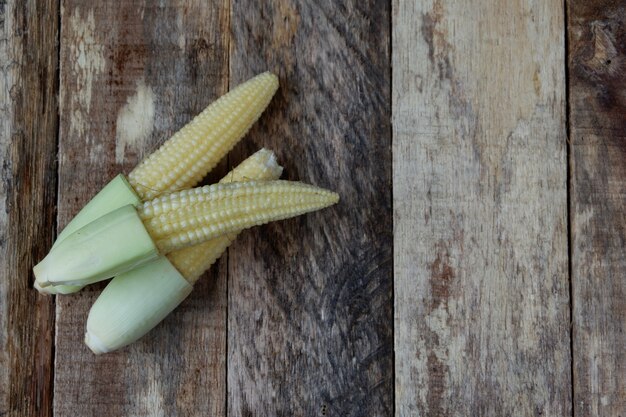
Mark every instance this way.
x=126 y=238
x=194 y=216
x=185 y=159
x=136 y=301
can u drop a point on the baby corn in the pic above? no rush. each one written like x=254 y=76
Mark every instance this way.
x=114 y=243
x=193 y=216
x=195 y=149
x=136 y=301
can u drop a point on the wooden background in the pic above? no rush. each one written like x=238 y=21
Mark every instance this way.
x=475 y=264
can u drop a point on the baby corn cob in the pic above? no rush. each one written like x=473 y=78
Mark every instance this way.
x=194 y=150
x=192 y=262
x=181 y=161
x=193 y=216
x=136 y=301
x=104 y=248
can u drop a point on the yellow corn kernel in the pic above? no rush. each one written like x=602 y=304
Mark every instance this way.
x=190 y=217
x=192 y=262
x=184 y=159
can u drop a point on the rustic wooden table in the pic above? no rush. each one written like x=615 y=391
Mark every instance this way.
x=475 y=265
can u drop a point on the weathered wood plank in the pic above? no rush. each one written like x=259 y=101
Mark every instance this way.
x=597 y=69
x=28 y=134
x=480 y=216
x=132 y=74
x=310 y=299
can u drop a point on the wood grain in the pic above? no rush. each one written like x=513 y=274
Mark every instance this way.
x=310 y=299
x=28 y=134
x=597 y=69
x=480 y=212
x=479 y=206
x=132 y=73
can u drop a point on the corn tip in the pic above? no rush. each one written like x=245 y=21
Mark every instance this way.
x=49 y=290
x=272 y=164
x=95 y=344
x=40 y=276
x=272 y=77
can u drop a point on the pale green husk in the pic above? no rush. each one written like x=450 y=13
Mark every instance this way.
x=57 y=289
x=108 y=246
x=117 y=193
x=133 y=303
